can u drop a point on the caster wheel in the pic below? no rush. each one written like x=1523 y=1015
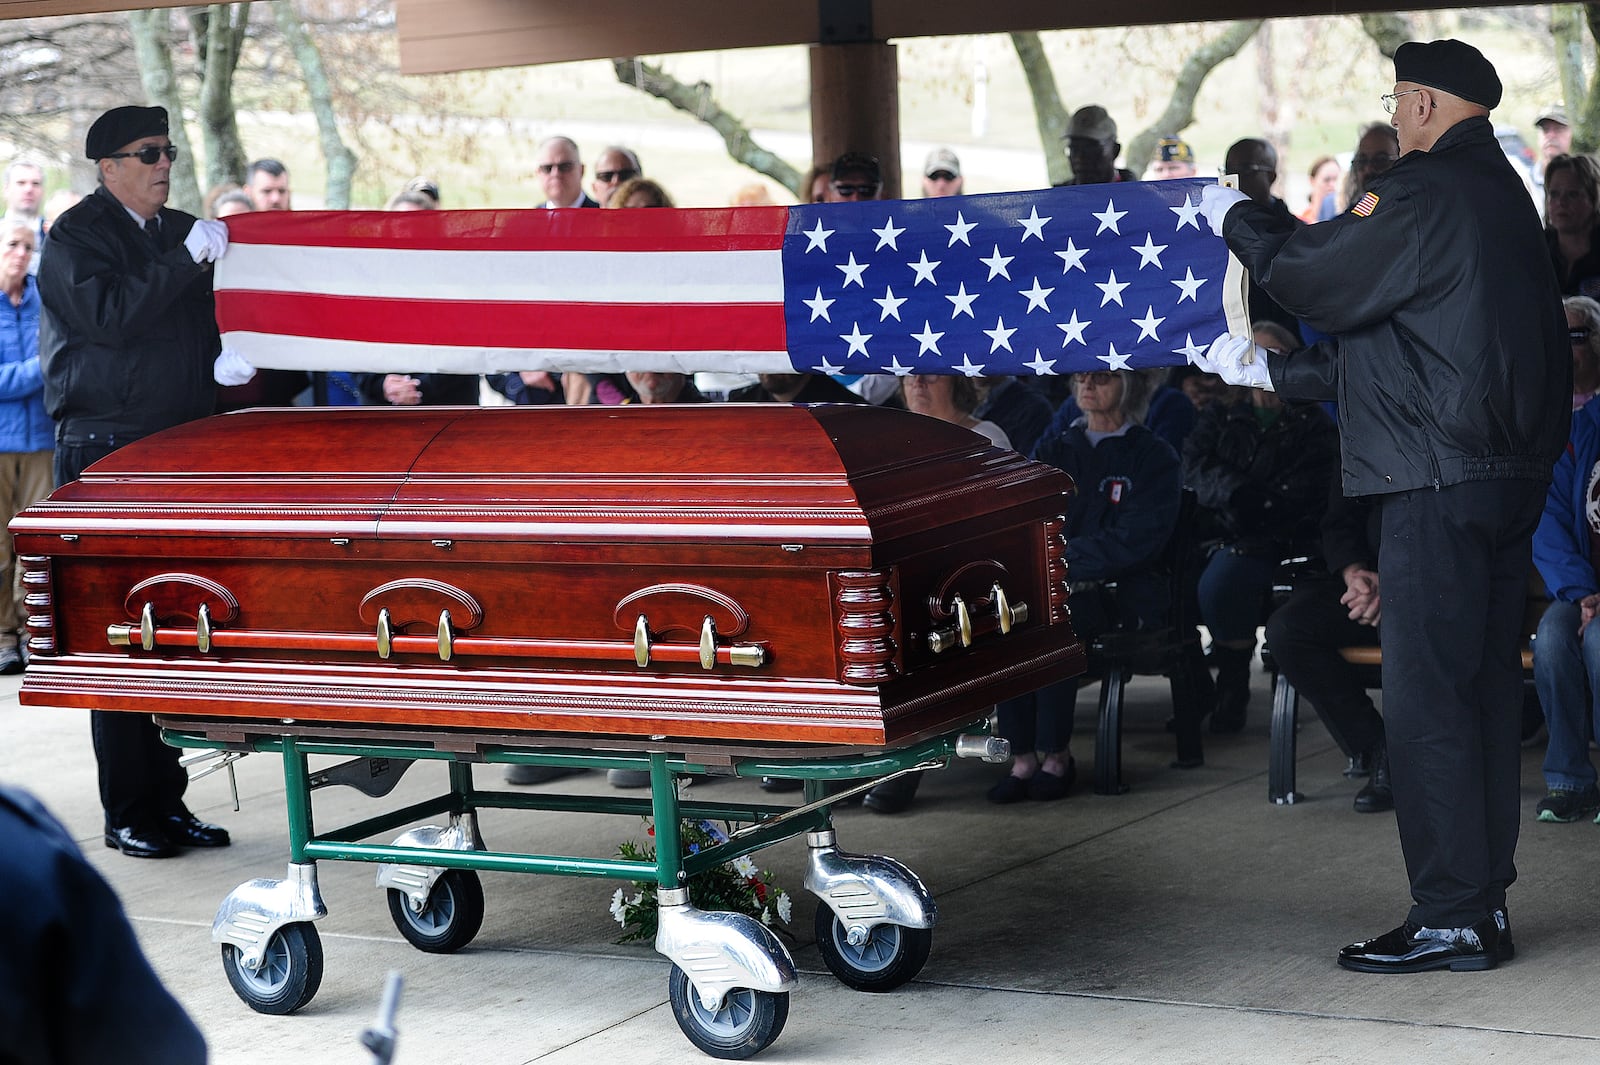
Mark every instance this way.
x=290 y=973
x=451 y=918
x=892 y=955
x=746 y=1024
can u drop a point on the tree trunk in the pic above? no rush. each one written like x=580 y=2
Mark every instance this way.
x=1049 y=114
x=151 y=45
x=1583 y=102
x=1179 y=113
x=340 y=159
x=696 y=100
x=1387 y=30
x=217 y=33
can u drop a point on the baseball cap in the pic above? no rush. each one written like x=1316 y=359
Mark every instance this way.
x=1554 y=113
x=1092 y=122
x=941 y=159
x=1173 y=150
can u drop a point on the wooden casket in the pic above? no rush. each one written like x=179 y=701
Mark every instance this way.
x=831 y=574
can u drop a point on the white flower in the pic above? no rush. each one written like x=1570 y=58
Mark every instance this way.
x=785 y=907
x=744 y=866
x=617 y=907
x=766 y=915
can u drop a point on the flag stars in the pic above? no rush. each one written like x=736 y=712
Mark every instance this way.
x=924 y=270
x=997 y=264
x=1000 y=335
x=828 y=367
x=1109 y=218
x=1114 y=359
x=968 y=367
x=1033 y=225
x=890 y=304
x=819 y=306
x=1073 y=330
x=1072 y=258
x=887 y=235
x=1189 y=285
x=856 y=339
x=1190 y=350
x=1188 y=213
x=1147 y=325
x=960 y=230
x=1038 y=297
x=927 y=340
x=818 y=238
x=1040 y=365
x=852 y=271
x=961 y=302
x=1111 y=289
x=898 y=370
x=1149 y=253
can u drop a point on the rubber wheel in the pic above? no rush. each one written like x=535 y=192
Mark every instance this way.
x=290 y=973
x=451 y=918
x=891 y=956
x=746 y=1024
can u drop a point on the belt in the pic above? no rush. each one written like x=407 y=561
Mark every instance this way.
x=79 y=437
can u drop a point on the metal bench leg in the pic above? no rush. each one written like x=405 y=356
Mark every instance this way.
x=1108 y=735
x=1280 y=760
x=1188 y=680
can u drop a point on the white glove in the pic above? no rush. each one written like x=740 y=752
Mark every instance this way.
x=231 y=369
x=207 y=241
x=1214 y=203
x=1238 y=361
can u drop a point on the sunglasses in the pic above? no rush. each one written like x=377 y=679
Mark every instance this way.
x=849 y=191
x=148 y=156
x=606 y=177
x=1579 y=335
x=941 y=175
x=565 y=167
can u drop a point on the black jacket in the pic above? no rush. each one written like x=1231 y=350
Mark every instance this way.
x=1447 y=349
x=129 y=331
x=1267 y=487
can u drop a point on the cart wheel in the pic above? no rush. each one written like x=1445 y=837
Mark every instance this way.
x=746 y=1024
x=451 y=918
x=290 y=973
x=892 y=955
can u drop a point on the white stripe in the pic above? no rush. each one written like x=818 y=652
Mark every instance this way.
x=274 y=351
x=564 y=276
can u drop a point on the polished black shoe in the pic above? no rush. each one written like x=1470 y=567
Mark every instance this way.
x=893 y=796
x=1414 y=949
x=1377 y=795
x=140 y=842
x=187 y=830
x=1502 y=921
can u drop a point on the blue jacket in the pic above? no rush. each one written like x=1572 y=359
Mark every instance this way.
x=24 y=425
x=1561 y=550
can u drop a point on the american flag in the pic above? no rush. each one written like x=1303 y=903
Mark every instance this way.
x=1050 y=282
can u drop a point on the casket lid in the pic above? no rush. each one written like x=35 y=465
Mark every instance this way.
x=835 y=473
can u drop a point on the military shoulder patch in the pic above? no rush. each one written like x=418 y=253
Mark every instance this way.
x=1366 y=205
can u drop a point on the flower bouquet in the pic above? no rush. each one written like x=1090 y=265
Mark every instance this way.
x=737 y=886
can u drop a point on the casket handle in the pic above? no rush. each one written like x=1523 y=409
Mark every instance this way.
x=385 y=633
x=1006 y=612
x=641 y=642
x=708 y=643
x=122 y=635
x=446 y=636
x=202 y=629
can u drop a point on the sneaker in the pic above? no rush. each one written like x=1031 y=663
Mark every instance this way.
x=1562 y=805
x=10 y=661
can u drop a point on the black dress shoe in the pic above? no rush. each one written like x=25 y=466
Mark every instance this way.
x=1377 y=795
x=140 y=842
x=1414 y=949
x=1502 y=921
x=187 y=830
x=893 y=796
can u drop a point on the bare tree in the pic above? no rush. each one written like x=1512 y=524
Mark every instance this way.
x=341 y=161
x=218 y=35
x=1049 y=114
x=152 y=43
x=1179 y=112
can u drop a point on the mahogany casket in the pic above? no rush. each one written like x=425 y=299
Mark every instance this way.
x=829 y=574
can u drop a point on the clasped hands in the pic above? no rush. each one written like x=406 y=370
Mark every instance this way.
x=1361 y=595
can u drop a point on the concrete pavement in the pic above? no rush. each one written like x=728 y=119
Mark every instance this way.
x=1186 y=921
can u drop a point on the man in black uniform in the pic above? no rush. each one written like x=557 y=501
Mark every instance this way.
x=129 y=346
x=1446 y=356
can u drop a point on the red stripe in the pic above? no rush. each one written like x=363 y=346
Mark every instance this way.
x=497 y=324
x=667 y=229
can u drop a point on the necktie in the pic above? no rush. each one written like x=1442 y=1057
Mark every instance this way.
x=152 y=229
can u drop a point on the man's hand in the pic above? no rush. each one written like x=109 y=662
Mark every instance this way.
x=401 y=390
x=231 y=368
x=207 y=241
x=1238 y=361
x=1214 y=203
x=1361 y=595
x=1588 y=607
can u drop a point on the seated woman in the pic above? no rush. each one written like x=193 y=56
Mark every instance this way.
x=1566 y=652
x=1572 y=222
x=1129 y=491
x=950 y=399
x=1260 y=469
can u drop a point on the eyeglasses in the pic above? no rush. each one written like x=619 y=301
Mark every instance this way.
x=148 y=156
x=566 y=166
x=1578 y=334
x=1381 y=161
x=606 y=177
x=941 y=175
x=865 y=192
x=1391 y=100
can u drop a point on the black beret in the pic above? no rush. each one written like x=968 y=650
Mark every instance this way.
x=123 y=125
x=1452 y=66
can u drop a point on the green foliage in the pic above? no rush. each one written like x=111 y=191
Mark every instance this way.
x=736 y=886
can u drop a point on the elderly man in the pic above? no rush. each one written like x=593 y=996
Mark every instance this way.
x=24 y=193
x=266 y=182
x=1092 y=148
x=561 y=174
x=941 y=174
x=1453 y=378
x=128 y=345
x=1174 y=159
x=614 y=166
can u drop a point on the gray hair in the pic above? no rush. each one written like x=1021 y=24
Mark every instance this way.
x=1588 y=310
x=1137 y=387
x=20 y=164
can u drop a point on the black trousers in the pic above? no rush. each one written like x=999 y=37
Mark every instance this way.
x=1453 y=570
x=1305 y=635
x=140 y=778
